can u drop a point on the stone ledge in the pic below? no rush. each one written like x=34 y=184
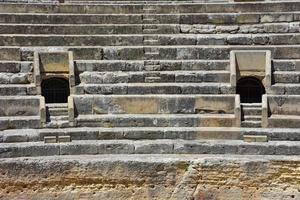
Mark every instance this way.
x=92 y=147
x=150 y=177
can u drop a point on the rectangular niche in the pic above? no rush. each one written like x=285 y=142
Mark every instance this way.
x=49 y=64
x=255 y=63
x=54 y=62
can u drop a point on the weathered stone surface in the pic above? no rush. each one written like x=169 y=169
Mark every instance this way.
x=166 y=177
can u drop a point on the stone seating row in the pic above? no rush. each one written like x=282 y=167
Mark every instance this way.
x=161 y=110
x=129 y=8
x=94 y=29
x=139 y=40
x=186 y=18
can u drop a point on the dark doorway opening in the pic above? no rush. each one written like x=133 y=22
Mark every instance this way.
x=250 y=90
x=55 y=90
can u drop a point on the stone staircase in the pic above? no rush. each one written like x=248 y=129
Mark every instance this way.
x=252 y=113
x=57 y=115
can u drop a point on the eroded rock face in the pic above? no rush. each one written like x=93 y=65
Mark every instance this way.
x=150 y=177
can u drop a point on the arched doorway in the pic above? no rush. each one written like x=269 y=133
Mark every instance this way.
x=55 y=90
x=250 y=90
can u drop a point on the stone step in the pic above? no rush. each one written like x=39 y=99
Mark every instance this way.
x=168 y=65
x=164 y=76
x=15 y=78
x=286 y=76
x=285 y=88
x=153 y=79
x=252 y=117
x=138 y=40
x=151 y=42
x=16 y=67
x=17 y=89
x=59 y=118
x=57 y=111
x=92 y=29
x=150 y=31
x=252 y=110
x=57 y=124
x=156 y=120
x=148 y=133
x=145 y=2
x=128 y=8
x=175 y=53
x=155 y=88
x=251 y=105
x=251 y=124
x=192 y=52
x=152 y=67
x=33 y=149
x=118 y=18
x=57 y=105
x=19 y=122
x=272 y=27
x=189 y=52
x=134 y=133
x=286 y=65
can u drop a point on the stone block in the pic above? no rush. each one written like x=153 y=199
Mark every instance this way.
x=64 y=138
x=255 y=138
x=11 y=67
x=54 y=62
x=39 y=149
x=150 y=148
x=78 y=148
x=116 y=148
x=50 y=139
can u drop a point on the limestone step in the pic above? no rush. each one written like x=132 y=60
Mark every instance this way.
x=285 y=88
x=15 y=78
x=68 y=18
x=109 y=17
x=286 y=65
x=57 y=123
x=252 y=110
x=149 y=133
x=155 y=88
x=193 y=52
x=252 y=117
x=33 y=149
x=165 y=76
x=19 y=122
x=156 y=120
x=15 y=67
x=17 y=89
x=59 y=118
x=151 y=42
x=89 y=29
x=150 y=31
x=10 y=54
x=169 y=65
x=272 y=27
x=153 y=79
x=128 y=8
x=286 y=76
x=251 y=105
x=138 y=40
x=251 y=124
x=57 y=109
x=134 y=133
